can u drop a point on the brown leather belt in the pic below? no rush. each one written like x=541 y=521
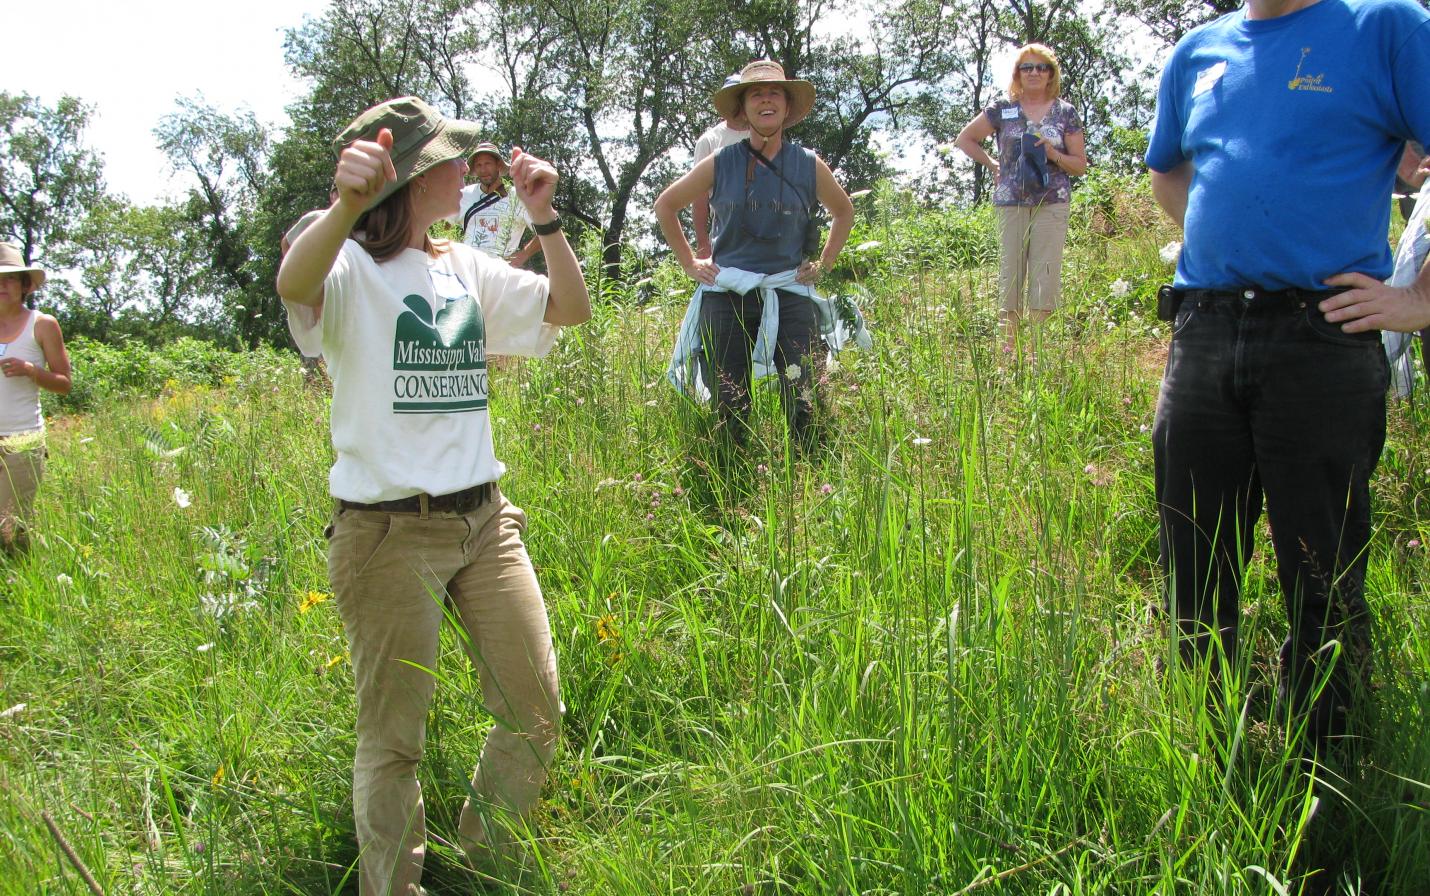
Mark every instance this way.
x=464 y=501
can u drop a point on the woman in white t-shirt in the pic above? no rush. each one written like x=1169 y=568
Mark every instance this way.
x=406 y=324
x=32 y=357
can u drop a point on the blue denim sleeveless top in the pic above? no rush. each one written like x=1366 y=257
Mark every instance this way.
x=758 y=218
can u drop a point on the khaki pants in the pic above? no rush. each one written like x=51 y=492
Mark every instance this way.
x=1032 y=239
x=391 y=573
x=20 y=475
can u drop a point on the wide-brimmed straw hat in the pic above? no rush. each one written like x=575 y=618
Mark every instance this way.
x=491 y=150
x=728 y=99
x=421 y=138
x=12 y=262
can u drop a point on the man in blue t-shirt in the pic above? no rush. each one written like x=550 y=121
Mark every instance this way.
x=1275 y=145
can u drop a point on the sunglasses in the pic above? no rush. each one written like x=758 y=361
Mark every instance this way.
x=1029 y=67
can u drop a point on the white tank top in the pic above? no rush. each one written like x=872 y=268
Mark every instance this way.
x=20 y=395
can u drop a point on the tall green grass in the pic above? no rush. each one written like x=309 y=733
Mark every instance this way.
x=922 y=660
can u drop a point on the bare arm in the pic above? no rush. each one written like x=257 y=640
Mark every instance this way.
x=697 y=182
x=55 y=375
x=363 y=169
x=841 y=219
x=1074 y=160
x=700 y=217
x=971 y=138
x=1170 y=190
x=535 y=182
x=1410 y=170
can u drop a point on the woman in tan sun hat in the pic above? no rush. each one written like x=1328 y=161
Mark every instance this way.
x=406 y=324
x=32 y=357
x=755 y=309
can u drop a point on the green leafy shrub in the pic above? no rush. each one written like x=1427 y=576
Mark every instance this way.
x=132 y=370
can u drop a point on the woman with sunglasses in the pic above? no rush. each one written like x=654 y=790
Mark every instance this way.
x=754 y=305
x=1040 y=143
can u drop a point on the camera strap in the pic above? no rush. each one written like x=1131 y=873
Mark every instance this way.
x=757 y=156
x=485 y=202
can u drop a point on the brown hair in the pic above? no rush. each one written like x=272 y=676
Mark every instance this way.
x=384 y=229
x=1046 y=54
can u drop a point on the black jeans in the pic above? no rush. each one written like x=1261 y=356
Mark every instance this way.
x=729 y=323
x=1264 y=398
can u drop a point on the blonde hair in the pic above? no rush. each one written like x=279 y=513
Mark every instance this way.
x=1046 y=54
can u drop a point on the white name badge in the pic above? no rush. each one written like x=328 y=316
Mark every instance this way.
x=1207 y=78
x=1010 y=114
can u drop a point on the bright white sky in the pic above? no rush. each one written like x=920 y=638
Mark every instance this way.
x=131 y=60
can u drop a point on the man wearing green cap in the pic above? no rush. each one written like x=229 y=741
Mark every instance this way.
x=492 y=220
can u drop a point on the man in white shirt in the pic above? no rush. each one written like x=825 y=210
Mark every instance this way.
x=716 y=137
x=492 y=220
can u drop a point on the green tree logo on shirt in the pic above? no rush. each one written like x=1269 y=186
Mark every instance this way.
x=439 y=366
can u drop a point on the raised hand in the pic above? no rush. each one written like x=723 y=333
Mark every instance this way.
x=534 y=180
x=364 y=168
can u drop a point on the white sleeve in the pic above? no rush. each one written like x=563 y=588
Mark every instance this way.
x=308 y=324
x=513 y=304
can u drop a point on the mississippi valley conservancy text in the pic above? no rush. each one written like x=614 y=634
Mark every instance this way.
x=411 y=353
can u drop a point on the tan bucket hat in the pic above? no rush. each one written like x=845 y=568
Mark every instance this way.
x=12 y=262
x=421 y=138
x=728 y=99
x=491 y=150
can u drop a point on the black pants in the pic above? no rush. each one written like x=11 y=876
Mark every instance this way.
x=729 y=323
x=1268 y=400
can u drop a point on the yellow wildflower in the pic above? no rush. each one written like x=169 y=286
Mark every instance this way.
x=606 y=628
x=218 y=776
x=311 y=599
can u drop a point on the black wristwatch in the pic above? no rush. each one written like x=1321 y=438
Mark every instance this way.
x=548 y=228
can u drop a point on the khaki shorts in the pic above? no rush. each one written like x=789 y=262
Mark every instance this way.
x=1032 y=240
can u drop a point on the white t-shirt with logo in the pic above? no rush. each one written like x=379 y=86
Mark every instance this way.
x=497 y=228
x=406 y=343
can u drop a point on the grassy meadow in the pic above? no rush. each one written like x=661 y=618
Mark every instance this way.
x=923 y=660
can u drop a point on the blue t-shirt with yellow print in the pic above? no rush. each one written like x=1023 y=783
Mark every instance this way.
x=1294 y=126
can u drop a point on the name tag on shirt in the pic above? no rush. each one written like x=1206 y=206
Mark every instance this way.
x=1010 y=114
x=1207 y=78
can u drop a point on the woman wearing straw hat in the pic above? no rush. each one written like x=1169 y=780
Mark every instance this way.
x=406 y=324
x=1040 y=143
x=755 y=306
x=32 y=357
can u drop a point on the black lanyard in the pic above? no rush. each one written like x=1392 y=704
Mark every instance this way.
x=485 y=202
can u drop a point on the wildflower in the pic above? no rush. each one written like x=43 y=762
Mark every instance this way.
x=205 y=648
x=637 y=477
x=1127 y=401
x=64 y=580
x=1120 y=288
x=826 y=489
x=1169 y=252
x=677 y=491
x=199 y=845
x=14 y=710
x=761 y=469
x=649 y=517
x=580 y=401
x=182 y=498
x=606 y=628
x=216 y=781
x=1413 y=543
x=1142 y=428
x=792 y=372
x=311 y=600
x=920 y=441
x=334 y=661
x=536 y=427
